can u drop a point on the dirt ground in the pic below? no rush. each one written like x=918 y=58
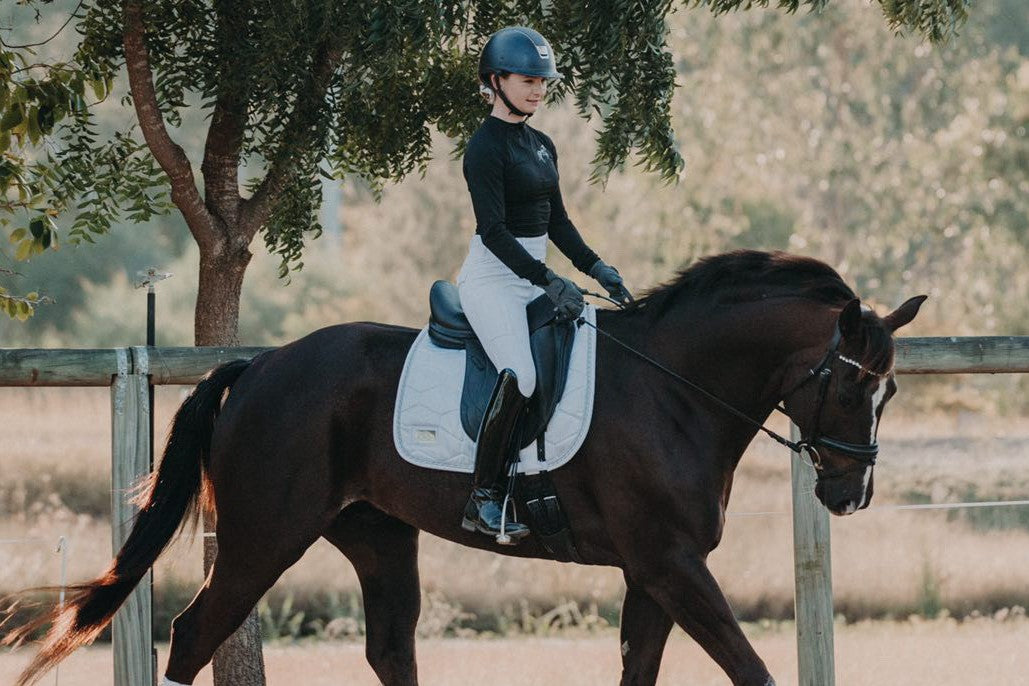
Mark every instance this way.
x=915 y=653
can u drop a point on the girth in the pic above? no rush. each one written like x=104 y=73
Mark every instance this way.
x=551 y=344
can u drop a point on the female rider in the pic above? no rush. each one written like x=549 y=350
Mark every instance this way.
x=511 y=171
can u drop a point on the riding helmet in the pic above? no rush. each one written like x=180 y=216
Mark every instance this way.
x=517 y=50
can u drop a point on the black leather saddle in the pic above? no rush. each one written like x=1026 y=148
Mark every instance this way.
x=551 y=344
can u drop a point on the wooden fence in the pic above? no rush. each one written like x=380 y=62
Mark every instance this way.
x=128 y=371
x=812 y=565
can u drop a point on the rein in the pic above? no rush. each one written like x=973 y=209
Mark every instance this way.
x=863 y=454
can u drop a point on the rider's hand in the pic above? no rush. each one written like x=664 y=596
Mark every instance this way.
x=608 y=277
x=567 y=297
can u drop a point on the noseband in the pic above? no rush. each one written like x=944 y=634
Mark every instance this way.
x=861 y=454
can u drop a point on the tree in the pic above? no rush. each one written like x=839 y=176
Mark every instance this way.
x=36 y=96
x=296 y=92
x=316 y=89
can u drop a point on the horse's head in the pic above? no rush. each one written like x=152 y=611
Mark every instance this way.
x=837 y=401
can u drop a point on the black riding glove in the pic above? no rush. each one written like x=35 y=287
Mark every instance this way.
x=608 y=277
x=567 y=297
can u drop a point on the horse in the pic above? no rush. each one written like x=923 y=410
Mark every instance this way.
x=302 y=448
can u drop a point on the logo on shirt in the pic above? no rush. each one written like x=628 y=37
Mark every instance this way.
x=542 y=154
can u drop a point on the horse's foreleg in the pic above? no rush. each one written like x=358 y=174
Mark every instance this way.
x=384 y=552
x=685 y=588
x=644 y=630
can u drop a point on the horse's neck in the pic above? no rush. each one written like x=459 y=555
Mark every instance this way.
x=740 y=353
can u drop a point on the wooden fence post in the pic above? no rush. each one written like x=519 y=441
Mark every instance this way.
x=813 y=577
x=130 y=443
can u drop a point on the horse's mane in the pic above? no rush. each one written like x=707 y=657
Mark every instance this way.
x=750 y=275
x=747 y=276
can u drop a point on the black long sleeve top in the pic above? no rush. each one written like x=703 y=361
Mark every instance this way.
x=511 y=171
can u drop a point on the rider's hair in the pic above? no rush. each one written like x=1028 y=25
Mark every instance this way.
x=486 y=85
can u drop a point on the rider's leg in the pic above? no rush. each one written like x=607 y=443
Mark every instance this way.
x=493 y=447
x=494 y=300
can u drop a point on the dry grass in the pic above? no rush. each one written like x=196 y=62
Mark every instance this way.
x=937 y=653
x=885 y=562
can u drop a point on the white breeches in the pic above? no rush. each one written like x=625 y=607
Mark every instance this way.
x=494 y=300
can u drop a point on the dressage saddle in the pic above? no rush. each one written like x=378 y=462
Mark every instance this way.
x=551 y=344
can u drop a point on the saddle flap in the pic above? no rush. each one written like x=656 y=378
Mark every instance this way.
x=551 y=354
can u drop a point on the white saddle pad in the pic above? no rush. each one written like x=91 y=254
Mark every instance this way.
x=427 y=419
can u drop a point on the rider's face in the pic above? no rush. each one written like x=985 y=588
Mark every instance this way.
x=524 y=92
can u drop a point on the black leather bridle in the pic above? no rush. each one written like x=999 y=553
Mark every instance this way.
x=862 y=455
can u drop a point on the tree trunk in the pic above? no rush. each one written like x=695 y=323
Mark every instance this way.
x=216 y=319
x=238 y=662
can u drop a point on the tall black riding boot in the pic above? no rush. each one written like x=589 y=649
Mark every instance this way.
x=485 y=508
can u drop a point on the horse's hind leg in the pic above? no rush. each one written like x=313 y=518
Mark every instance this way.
x=238 y=579
x=644 y=630
x=384 y=551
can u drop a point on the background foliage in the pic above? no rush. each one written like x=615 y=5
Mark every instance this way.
x=904 y=165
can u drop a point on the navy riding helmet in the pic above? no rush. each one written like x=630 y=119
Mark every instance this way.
x=517 y=50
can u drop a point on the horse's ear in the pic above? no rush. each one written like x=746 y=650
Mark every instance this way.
x=905 y=313
x=850 y=319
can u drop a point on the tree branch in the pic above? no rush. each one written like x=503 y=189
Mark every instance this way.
x=220 y=167
x=168 y=154
x=258 y=208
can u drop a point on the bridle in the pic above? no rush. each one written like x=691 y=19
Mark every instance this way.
x=863 y=455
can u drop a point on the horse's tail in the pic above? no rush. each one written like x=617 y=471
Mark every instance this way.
x=169 y=498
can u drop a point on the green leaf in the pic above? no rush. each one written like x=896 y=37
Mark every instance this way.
x=99 y=89
x=24 y=250
x=11 y=118
x=24 y=311
x=36 y=227
x=33 y=125
x=18 y=235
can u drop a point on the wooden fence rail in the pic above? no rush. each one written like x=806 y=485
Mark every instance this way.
x=128 y=371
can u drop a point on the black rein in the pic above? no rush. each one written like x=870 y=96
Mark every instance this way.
x=863 y=454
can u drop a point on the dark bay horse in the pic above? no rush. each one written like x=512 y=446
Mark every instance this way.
x=303 y=448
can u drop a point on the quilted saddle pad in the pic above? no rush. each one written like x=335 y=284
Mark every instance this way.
x=427 y=427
